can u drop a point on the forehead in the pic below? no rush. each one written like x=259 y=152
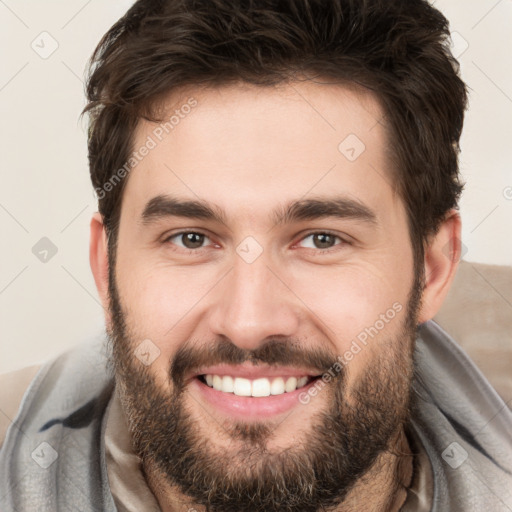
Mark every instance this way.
x=242 y=147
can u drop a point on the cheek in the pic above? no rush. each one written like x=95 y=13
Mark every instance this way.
x=156 y=292
x=161 y=302
x=356 y=302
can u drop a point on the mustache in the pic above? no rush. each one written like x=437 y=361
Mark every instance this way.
x=275 y=352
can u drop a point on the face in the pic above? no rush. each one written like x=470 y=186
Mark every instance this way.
x=263 y=300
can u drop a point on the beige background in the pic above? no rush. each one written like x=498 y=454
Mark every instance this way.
x=47 y=307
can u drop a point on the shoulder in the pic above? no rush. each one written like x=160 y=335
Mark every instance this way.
x=62 y=414
x=58 y=387
x=463 y=424
x=13 y=386
x=455 y=399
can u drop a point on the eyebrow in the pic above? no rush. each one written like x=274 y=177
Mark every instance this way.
x=311 y=209
x=163 y=206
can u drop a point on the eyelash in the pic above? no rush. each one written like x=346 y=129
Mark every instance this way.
x=342 y=241
x=334 y=248
x=181 y=233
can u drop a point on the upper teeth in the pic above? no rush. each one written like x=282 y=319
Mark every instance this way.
x=258 y=387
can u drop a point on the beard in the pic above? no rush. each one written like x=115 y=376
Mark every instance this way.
x=341 y=444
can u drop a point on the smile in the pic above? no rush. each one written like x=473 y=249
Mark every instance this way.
x=260 y=387
x=251 y=393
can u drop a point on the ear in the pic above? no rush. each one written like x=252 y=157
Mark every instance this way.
x=98 y=258
x=442 y=256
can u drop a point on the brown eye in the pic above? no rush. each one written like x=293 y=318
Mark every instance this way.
x=323 y=240
x=189 y=239
x=320 y=240
x=192 y=240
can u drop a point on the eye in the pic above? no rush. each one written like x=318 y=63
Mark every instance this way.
x=188 y=239
x=320 y=240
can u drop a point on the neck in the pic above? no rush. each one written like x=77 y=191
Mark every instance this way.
x=382 y=488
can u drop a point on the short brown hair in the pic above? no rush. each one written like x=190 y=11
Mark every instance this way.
x=399 y=49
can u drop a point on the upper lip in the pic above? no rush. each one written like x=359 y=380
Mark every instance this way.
x=252 y=372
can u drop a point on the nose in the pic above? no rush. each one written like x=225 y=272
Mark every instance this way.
x=253 y=304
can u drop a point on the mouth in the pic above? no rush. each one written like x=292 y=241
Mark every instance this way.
x=251 y=396
x=256 y=388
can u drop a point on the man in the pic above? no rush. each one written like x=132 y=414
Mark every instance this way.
x=277 y=226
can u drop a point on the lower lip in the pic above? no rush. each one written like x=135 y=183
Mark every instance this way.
x=247 y=407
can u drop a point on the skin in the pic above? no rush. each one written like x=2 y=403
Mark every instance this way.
x=248 y=151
